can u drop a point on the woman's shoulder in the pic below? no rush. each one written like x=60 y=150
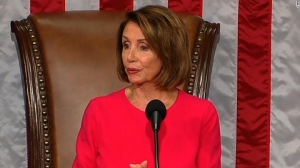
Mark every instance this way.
x=196 y=104
x=186 y=97
x=110 y=96
x=102 y=103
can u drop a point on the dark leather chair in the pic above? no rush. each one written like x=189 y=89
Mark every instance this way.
x=68 y=58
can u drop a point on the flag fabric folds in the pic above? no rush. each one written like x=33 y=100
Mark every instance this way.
x=255 y=78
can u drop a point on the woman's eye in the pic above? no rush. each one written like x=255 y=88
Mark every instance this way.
x=125 y=45
x=144 y=48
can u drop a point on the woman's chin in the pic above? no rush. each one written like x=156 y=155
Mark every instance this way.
x=137 y=82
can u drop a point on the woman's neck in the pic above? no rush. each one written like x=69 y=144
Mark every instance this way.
x=140 y=96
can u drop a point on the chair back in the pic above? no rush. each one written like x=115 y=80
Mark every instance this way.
x=68 y=58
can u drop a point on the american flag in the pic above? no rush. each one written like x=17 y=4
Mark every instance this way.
x=255 y=80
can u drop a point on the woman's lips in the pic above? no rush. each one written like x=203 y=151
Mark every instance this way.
x=132 y=70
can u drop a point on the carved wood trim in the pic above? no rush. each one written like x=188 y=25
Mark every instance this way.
x=202 y=59
x=39 y=151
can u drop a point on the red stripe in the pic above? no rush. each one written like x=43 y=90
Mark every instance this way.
x=190 y=6
x=38 y=6
x=116 y=5
x=254 y=84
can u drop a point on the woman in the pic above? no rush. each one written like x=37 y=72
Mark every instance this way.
x=152 y=52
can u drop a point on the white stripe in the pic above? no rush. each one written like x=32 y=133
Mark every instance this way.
x=285 y=132
x=82 y=5
x=12 y=118
x=223 y=88
x=140 y=3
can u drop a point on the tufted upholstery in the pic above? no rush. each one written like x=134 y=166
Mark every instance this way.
x=67 y=59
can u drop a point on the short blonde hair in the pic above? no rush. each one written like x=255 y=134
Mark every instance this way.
x=167 y=36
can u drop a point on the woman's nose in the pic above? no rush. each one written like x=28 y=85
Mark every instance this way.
x=131 y=56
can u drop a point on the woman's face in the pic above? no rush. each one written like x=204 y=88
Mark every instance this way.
x=141 y=63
